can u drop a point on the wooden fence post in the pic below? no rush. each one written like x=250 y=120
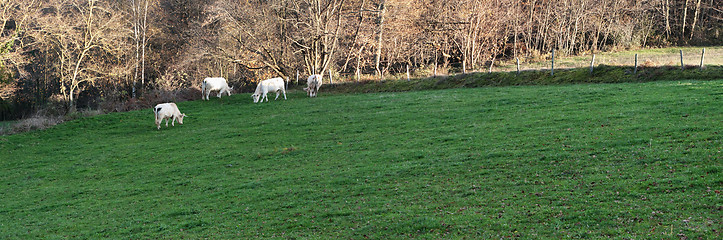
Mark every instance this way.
x=702 y=55
x=592 y=63
x=297 y=76
x=331 y=81
x=682 y=67
x=518 y=66
x=435 y=68
x=552 y=68
x=636 y=64
x=407 y=72
x=436 y=55
x=491 y=64
x=464 y=66
x=357 y=74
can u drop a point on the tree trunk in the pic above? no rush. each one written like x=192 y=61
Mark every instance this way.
x=436 y=54
x=358 y=64
x=136 y=37
x=667 y=18
x=140 y=27
x=685 y=16
x=328 y=51
x=143 y=46
x=380 y=30
x=695 y=18
x=356 y=36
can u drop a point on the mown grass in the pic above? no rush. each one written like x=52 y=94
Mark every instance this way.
x=624 y=160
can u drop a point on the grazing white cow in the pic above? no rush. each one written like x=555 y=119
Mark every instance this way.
x=269 y=85
x=214 y=84
x=167 y=111
x=313 y=83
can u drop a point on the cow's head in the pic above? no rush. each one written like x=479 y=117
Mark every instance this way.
x=228 y=90
x=256 y=96
x=180 y=118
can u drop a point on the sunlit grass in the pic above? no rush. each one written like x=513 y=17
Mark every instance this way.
x=651 y=57
x=633 y=160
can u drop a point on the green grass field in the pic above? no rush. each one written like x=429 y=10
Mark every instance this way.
x=630 y=160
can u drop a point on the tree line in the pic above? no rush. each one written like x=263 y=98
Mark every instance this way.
x=86 y=52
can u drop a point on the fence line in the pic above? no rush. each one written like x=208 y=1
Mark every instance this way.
x=646 y=59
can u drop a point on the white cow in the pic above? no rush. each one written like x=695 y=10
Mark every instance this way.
x=214 y=84
x=269 y=85
x=313 y=84
x=167 y=111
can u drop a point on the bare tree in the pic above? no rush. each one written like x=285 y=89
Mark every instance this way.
x=83 y=35
x=316 y=26
x=666 y=14
x=685 y=17
x=695 y=18
x=381 y=11
x=79 y=44
x=139 y=10
x=273 y=34
x=13 y=18
x=355 y=42
x=254 y=35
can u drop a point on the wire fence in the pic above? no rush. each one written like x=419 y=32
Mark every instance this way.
x=677 y=57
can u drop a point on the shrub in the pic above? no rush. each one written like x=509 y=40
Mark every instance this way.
x=36 y=122
x=75 y=114
x=5 y=128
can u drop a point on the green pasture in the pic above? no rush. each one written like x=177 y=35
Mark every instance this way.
x=623 y=160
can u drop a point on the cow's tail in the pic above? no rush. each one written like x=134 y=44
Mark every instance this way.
x=155 y=112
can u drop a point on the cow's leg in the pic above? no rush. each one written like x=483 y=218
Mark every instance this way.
x=208 y=92
x=173 y=122
x=277 y=95
x=284 y=91
x=167 y=121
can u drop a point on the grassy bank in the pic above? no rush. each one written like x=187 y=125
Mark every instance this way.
x=601 y=74
x=651 y=57
x=624 y=160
